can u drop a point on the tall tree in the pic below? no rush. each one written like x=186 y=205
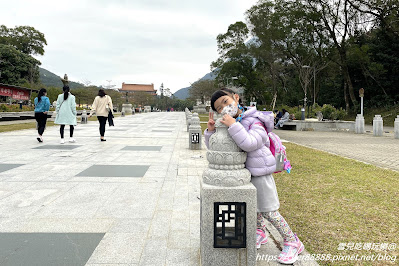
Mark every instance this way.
x=202 y=89
x=26 y=39
x=16 y=67
x=338 y=20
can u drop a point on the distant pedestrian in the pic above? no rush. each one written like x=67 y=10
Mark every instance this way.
x=284 y=118
x=277 y=116
x=42 y=105
x=66 y=113
x=103 y=107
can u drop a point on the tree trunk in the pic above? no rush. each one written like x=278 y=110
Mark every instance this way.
x=346 y=96
x=347 y=77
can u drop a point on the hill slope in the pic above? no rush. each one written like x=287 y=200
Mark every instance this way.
x=50 y=79
x=183 y=93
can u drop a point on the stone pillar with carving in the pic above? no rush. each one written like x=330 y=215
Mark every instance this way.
x=187 y=112
x=228 y=204
x=127 y=108
x=202 y=109
x=195 y=133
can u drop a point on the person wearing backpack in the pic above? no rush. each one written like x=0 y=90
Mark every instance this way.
x=249 y=129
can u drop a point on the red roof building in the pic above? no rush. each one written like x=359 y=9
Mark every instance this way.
x=132 y=88
x=15 y=92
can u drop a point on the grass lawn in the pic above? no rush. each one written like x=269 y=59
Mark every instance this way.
x=6 y=128
x=329 y=200
x=203 y=118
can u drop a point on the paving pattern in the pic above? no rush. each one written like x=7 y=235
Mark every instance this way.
x=132 y=200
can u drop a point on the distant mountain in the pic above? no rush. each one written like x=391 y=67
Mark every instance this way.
x=50 y=79
x=184 y=92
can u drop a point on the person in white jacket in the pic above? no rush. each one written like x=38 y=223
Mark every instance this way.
x=102 y=105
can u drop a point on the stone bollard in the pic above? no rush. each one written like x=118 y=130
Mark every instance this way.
x=228 y=204
x=195 y=133
x=396 y=127
x=190 y=115
x=84 y=117
x=359 y=124
x=127 y=108
x=187 y=113
x=377 y=125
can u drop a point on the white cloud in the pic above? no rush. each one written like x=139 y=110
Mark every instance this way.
x=150 y=41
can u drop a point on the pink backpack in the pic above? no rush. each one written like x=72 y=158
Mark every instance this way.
x=276 y=147
x=278 y=150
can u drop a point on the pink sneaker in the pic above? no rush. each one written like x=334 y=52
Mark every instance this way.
x=290 y=252
x=261 y=238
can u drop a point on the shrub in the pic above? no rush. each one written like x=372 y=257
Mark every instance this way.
x=340 y=114
x=331 y=113
x=328 y=111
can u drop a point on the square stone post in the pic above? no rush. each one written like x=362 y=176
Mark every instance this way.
x=396 y=127
x=195 y=133
x=228 y=205
x=377 y=126
x=359 y=124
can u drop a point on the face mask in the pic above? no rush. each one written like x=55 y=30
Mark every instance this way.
x=230 y=109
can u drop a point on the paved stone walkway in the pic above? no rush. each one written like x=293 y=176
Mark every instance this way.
x=132 y=200
x=380 y=151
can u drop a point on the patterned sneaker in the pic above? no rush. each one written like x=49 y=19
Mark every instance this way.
x=261 y=238
x=290 y=252
x=39 y=138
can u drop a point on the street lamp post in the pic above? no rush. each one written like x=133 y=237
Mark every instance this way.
x=314 y=83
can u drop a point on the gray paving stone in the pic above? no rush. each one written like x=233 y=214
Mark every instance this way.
x=6 y=167
x=142 y=148
x=47 y=248
x=116 y=170
x=57 y=147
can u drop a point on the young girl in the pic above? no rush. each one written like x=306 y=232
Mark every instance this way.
x=66 y=113
x=249 y=133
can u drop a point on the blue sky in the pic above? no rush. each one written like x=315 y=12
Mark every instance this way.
x=151 y=41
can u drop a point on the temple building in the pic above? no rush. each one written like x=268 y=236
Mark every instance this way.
x=134 y=88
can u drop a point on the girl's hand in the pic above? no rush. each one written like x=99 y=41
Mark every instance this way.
x=228 y=120
x=211 y=122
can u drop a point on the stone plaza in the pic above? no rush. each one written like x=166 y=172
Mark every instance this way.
x=132 y=200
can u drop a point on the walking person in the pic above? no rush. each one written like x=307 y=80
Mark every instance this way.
x=42 y=106
x=102 y=106
x=66 y=113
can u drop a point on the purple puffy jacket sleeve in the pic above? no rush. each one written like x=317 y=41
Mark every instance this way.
x=207 y=135
x=251 y=140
